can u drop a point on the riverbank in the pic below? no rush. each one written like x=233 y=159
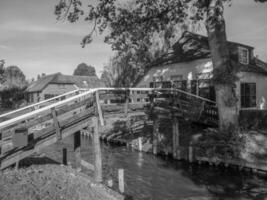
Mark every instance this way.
x=51 y=181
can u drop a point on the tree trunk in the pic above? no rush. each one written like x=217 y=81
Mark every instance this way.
x=225 y=90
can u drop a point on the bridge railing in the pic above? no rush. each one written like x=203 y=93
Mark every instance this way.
x=57 y=120
x=38 y=105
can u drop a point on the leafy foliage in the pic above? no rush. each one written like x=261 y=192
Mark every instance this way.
x=12 y=97
x=2 y=69
x=84 y=70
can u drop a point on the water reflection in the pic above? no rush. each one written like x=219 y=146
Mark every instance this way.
x=152 y=178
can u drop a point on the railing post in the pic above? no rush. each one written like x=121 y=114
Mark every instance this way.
x=56 y=124
x=97 y=152
x=140 y=145
x=126 y=105
x=155 y=135
x=77 y=149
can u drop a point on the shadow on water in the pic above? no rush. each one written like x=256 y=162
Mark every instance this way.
x=152 y=178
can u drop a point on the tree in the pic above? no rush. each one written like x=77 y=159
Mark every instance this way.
x=14 y=77
x=131 y=24
x=84 y=70
x=2 y=69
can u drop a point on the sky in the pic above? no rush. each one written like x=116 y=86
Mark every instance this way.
x=32 y=38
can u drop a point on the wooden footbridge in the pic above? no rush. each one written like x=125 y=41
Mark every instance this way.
x=29 y=129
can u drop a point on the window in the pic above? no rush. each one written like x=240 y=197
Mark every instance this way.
x=31 y=97
x=243 y=55
x=248 y=95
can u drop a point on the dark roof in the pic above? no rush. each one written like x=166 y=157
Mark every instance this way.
x=58 y=78
x=193 y=46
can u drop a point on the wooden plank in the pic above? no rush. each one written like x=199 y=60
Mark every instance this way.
x=97 y=152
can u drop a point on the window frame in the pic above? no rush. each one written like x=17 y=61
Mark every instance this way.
x=240 y=55
x=252 y=97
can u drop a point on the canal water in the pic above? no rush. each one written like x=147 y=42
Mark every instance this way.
x=153 y=178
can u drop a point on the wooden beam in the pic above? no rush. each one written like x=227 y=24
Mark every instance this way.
x=97 y=152
x=77 y=148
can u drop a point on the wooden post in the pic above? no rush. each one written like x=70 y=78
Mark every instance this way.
x=77 y=148
x=175 y=139
x=155 y=136
x=126 y=105
x=121 y=180
x=190 y=153
x=140 y=145
x=64 y=157
x=17 y=165
x=97 y=152
x=56 y=123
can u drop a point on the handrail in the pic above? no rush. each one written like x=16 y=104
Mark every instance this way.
x=90 y=91
x=39 y=103
x=160 y=89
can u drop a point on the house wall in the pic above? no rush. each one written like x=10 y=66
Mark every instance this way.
x=57 y=89
x=188 y=70
x=202 y=66
x=261 y=86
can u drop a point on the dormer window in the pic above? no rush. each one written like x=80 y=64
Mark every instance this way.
x=243 y=55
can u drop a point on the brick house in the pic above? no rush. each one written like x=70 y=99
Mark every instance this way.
x=188 y=66
x=56 y=84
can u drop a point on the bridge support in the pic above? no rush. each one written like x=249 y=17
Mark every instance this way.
x=77 y=149
x=175 y=139
x=65 y=156
x=155 y=137
x=97 y=151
